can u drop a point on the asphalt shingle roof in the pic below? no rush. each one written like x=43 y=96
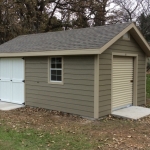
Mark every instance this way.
x=86 y=38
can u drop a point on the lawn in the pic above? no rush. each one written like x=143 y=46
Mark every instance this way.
x=31 y=139
x=148 y=86
x=40 y=129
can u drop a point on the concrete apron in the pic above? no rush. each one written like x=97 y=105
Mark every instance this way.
x=9 y=106
x=133 y=112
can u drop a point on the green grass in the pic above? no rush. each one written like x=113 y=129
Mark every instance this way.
x=30 y=139
x=148 y=86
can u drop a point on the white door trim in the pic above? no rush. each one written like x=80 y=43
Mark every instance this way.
x=135 y=77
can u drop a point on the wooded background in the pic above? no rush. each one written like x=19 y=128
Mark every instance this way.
x=19 y=17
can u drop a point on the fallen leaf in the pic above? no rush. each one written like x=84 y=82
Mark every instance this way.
x=129 y=136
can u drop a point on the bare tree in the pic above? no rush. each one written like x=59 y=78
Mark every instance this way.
x=129 y=9
x=145 y=7
x=85 y=13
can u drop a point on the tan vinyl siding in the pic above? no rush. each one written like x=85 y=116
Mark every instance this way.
x=121 y=46
x=75 y=96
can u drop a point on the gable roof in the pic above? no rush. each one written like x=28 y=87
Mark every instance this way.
x=92 y=40
x=85 y=38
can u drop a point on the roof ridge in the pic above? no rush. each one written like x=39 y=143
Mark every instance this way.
x=62 y=31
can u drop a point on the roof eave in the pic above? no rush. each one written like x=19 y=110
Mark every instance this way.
x=52 y=53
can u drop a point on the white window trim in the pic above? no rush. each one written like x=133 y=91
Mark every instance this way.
x=49 y=71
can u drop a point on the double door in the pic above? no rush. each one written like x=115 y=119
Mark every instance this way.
x=12 y=80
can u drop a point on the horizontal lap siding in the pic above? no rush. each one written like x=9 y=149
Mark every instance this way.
x=75 y=96
x=121 y=46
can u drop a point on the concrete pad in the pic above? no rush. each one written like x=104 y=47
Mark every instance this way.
x=133 y=112
x=9 y=106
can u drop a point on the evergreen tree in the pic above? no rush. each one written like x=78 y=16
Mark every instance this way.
x=144 y=25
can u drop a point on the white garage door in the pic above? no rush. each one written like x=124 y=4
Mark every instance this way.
x=122 y=92
x=12 y=80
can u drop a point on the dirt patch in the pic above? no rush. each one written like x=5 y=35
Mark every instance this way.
x=42 y=119
x=109 y=133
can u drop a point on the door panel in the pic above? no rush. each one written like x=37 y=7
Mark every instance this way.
x=5 y=79
x=17 y=80
x=6 y=91
x=5 y=69
x=17 y=69
x=18 y=92
x=122 y=85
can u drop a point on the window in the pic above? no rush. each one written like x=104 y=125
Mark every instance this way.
x=126 y=36
x=56 y=69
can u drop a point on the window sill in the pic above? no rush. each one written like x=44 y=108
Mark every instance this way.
x=56 y=83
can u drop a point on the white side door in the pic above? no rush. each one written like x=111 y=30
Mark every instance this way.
x=17 y=80
x=11 y=80
x=5 y=79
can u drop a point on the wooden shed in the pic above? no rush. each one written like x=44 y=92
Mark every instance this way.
x=90 y=72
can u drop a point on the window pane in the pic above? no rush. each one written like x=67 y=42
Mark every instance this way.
x=53 y=78
x=53 y=60
x=52 y=65
x=58 y=66
x=56 y=69
x=58 y=72
x=53 y=72
x=58 y=78
x=58 y=60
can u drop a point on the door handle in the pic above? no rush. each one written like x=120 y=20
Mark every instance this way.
x=131 y=80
